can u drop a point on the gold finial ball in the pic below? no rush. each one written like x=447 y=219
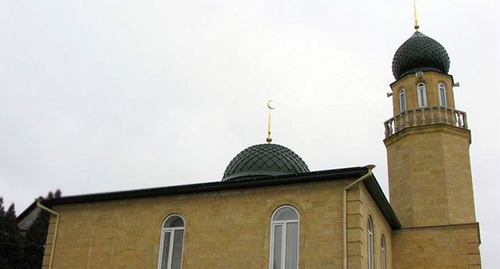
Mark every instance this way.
x=269 y=140
x=417 y=27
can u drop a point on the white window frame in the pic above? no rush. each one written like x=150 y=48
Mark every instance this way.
x=442 y=95
x=284 y=223
x=370 y=243
x=422 y=94
x=172 y=231
x=383 y=255
x=402 y=100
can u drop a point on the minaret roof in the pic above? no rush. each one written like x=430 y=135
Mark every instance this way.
x=420 y=53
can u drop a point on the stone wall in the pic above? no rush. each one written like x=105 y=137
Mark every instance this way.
x=360 y=205
x=451 y=246
x=224 y=229
x=431 y=80
x=430 y=177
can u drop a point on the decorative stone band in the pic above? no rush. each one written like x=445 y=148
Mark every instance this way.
x=426 y=116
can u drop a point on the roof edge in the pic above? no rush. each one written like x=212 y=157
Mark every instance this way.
x=381 y=200
x=26 y=211
x=236 y=183
x=250 y=182
x=426 y=71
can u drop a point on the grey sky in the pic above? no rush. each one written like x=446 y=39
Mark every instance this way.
x=99 y=96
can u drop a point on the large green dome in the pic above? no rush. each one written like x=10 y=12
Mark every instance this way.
x=265 y=160
x=420 y=53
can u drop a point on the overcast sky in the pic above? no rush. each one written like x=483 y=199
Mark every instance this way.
x=108 y=95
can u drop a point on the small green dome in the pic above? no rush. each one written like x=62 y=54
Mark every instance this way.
x=265 y=160
x=420 y=53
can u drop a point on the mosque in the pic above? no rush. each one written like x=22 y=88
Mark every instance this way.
x=270 y=211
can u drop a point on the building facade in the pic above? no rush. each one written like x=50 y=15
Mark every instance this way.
x=270 y=211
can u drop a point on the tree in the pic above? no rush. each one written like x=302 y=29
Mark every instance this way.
x=36 y=237
x=58 y=193
x=3 y=236
x=18 y=251
x=11 y=240
x=35 y=241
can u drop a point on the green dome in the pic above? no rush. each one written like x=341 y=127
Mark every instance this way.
x=265 y=160
x=420 y=53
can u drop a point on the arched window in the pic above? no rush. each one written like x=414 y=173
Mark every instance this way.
x=442 y=95
x=370 y=242
x=422 y=97
x=284 y=239
x=402 y=100
x=172 y=237
x=383 y=258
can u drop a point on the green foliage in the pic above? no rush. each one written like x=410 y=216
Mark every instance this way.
x=3 y=237
x=11 y=240
x=18 y=251
x=58 y=193
x=35 y=241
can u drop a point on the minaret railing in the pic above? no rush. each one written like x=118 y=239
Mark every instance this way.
x=426 y=116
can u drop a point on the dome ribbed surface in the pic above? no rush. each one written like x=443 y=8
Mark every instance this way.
x=420 y=53
x=265 y=160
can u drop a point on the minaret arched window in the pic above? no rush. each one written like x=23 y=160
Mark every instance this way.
x=442 y=95
x=284 y=239
x=383 y=257
x=370 y=242
x=171 y=244
x=402 y=100
x=422 y=96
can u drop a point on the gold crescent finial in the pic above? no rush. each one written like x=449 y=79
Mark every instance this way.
x=416 y=19
x=269 y=139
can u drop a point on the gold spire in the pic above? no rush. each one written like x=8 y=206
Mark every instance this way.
x=269 y=139
x=416 y=19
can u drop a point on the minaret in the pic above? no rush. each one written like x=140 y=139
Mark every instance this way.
x=428 y=139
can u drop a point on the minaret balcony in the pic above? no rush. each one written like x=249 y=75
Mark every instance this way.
x=426 y=116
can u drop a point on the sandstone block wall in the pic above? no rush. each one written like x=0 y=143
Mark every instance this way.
x=451 y=246
x=224 y=229
x=429 y=176
x=360 y=205
x=431 y=80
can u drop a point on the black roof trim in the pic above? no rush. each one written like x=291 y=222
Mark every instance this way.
x=251 y=182
x=379 y=197
x=247 y=182
x=429 y=71
x=27 y=211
